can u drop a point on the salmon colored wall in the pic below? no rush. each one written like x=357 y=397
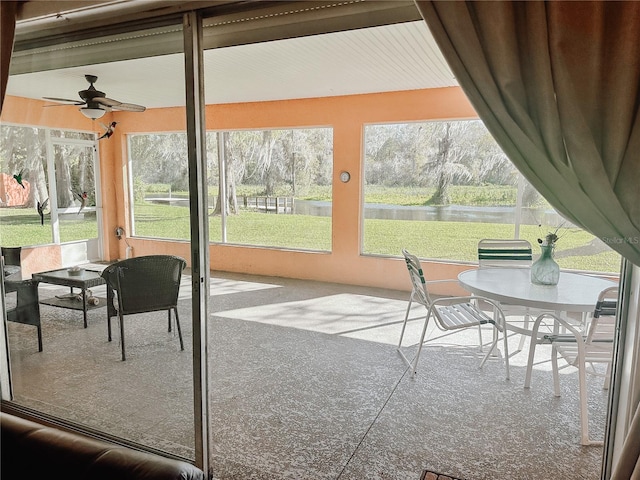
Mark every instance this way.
x=347 y=115
x=38 y=259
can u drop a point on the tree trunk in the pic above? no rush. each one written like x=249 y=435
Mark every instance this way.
x=227 y=199
x=442 y=195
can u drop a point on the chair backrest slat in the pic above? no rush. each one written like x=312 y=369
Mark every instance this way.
x=504 y=253
x=602 y=326
x=418 y=283
x=607 y=303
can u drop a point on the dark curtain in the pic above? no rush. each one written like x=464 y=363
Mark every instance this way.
x=558 y=85
x=8 y=11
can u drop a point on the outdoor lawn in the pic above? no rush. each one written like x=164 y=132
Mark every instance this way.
x=456 y=241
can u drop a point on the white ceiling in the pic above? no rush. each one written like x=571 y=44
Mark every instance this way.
x=387 y=58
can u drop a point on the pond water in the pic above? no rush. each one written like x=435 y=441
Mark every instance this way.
x=449 y=213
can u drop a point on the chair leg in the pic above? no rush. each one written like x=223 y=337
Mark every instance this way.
x=404 y=324
x=527 y=319
x=584 y=414
x=175 y=312
x=505 y=340
x=480 y=339
x=122 y=335
x=169 y=315
x=424 y=332
x=492 y=349
x=499 y=319
x=494 y=342
x=532 y=350
x=554 y=368
x=39 y=327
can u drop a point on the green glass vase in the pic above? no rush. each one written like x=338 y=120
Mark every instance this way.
x=545 y=270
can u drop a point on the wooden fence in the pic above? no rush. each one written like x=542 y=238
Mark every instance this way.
x=269 y=204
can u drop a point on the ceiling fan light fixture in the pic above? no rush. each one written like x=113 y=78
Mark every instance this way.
x=92 y=113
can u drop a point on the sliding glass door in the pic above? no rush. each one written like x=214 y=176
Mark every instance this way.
x=80 y=181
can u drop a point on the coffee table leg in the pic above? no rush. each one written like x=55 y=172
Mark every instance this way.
x=84 y=306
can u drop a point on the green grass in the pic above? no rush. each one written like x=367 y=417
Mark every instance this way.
x=21 y=226
x=458 y=241
x=493 y=195
x=455 y=241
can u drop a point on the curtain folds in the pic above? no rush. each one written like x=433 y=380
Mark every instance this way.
x=8 y=11
x=628 y=467
x=558 y=86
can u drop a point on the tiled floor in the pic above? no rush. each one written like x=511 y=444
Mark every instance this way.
x=306 y=383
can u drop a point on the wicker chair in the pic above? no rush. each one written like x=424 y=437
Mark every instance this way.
x=143 y=284
x=25 y=308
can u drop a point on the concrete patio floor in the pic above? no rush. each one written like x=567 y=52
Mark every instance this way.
x=306 y=383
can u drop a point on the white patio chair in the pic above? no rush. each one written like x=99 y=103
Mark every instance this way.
x=450 y=313
x=508 y=253
x=581 y=350
x=504 y=253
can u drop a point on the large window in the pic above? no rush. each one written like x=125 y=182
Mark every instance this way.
x=49 y=193
x=160 y=185
x=276 y=184
x=436 y=188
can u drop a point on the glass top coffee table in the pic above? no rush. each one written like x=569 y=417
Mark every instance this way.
x=81 y=279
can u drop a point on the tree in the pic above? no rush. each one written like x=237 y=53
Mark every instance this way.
x=395 y=154
x=22 y=150
x=447 y=159
x=227 y=198
x=161 y=158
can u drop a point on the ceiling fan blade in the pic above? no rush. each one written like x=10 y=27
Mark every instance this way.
x=129 y=107
x=110 y=102
x=65 y=100
x=115 y=104
x=60 y=105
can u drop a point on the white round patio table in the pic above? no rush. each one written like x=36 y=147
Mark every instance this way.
x=574 y=292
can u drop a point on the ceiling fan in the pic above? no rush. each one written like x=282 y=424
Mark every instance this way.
x=95 y=102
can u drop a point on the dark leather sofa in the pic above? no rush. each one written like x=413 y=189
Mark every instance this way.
x=32 y=450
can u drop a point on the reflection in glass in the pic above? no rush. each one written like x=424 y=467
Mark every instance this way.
x=24 y=187
x=76 y=191
x=79 y=377
x=72 y=135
